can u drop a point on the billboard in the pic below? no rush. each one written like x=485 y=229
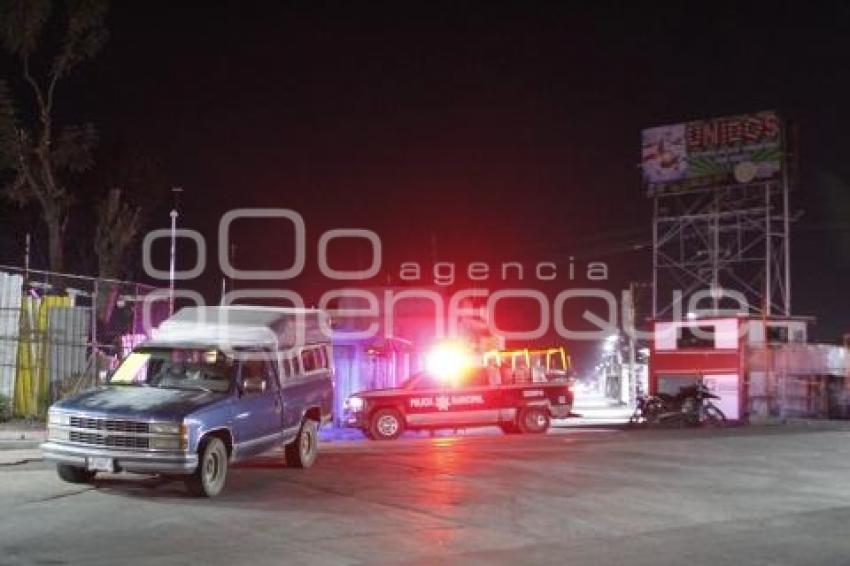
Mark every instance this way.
x=741 y=149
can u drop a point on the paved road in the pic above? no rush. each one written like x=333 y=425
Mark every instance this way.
x=744 y=497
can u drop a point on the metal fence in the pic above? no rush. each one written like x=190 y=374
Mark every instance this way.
x=798 y=380
x=58 y=332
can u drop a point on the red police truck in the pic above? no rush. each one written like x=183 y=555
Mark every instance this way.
x=430 y=401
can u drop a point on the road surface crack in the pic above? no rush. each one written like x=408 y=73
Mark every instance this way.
x=20 y=462
x=63 y=495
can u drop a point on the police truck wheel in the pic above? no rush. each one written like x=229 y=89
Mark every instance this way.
x=208 y=479
x=533 y=420
x=302 y=452
x=73 y=474
x=386 y=424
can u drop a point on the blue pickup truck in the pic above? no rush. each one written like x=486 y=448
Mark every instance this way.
x=215 y=386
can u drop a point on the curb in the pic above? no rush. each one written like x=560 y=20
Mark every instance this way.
x=28 y=444
x=17 y=456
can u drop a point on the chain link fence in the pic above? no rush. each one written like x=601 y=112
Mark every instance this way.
x=59 y=332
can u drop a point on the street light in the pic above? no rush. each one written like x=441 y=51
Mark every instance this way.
x=172 y=265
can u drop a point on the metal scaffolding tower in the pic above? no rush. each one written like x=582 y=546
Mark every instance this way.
x=731 y=237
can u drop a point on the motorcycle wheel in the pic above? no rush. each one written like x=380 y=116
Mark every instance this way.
x=714 y=417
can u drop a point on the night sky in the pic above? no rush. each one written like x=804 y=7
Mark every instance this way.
x=509 y=131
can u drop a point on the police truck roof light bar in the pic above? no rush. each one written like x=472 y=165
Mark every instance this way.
x=448 y=361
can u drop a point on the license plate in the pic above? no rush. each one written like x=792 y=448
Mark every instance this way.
x=100 y=464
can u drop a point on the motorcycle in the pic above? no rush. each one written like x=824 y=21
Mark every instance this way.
x=691 y=406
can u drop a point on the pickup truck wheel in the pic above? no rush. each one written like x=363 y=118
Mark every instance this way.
x=73 y=474
x=302 y=452
x=509 y=428
x=533 y=420
x=386 y=424
x=208 y=480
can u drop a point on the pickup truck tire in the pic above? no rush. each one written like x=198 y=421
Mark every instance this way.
x=208 y=480
x=509 y=427
x=533 y=420
x=73 y=474
x=302 y=452
x=386 y=424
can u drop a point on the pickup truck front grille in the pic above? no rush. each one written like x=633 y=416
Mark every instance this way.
x=96 y=439
x=108 y=425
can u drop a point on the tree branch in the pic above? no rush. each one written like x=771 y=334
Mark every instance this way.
x=43 y=148
x=37 y=89
x=57 y=71
x=26 y=173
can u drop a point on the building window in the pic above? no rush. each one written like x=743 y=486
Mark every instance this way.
x=777 y=334
x=695 y=337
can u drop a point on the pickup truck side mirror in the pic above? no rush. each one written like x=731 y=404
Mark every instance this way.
x=251 y=385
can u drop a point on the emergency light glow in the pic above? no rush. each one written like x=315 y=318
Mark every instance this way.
x=448 y=361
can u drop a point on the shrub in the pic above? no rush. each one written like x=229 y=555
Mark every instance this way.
x=5 y=408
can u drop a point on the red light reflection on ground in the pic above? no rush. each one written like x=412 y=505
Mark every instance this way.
x=442 y=486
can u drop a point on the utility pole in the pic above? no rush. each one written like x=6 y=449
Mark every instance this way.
x=27 y=260
x=630 y=326
x=630 y=330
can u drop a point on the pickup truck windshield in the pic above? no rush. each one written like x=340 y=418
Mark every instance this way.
x=191 y=369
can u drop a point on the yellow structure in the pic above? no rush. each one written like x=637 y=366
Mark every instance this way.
x=32 y=384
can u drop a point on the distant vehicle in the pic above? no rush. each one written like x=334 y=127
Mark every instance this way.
x=217 y=385
x=691 y=406
x=427 y=401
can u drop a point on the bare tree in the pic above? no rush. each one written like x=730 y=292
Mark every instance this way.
x=118 y=226
x=137 y=181
x=44 y=158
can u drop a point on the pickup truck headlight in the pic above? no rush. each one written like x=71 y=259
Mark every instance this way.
x=165 y=428
x=58 y=419
x=55 y=421
x=177 y=436
x=354 y=403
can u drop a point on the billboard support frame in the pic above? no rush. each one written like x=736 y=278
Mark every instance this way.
x=735 y=238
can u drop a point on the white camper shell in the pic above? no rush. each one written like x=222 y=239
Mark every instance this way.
x=233 y=327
